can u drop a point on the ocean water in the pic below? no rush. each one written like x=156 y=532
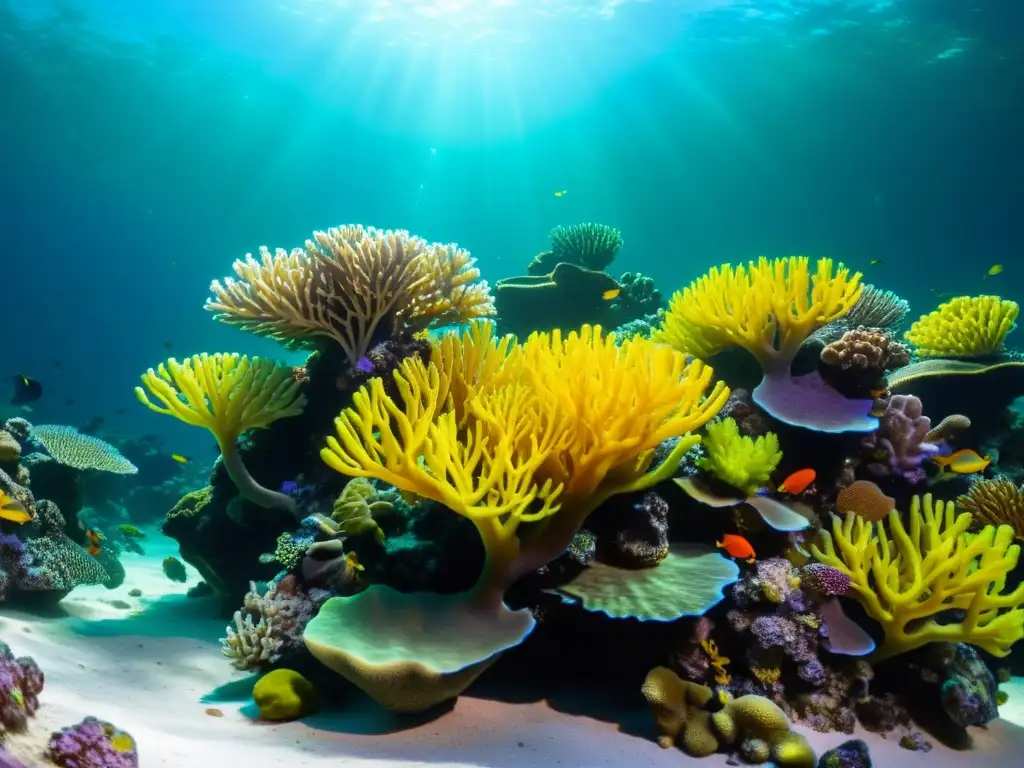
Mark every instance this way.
x=144 y=146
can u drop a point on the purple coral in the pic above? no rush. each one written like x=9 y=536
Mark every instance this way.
x=898 y=447
x=92 y=743
x=21 y=682
x=824 y=579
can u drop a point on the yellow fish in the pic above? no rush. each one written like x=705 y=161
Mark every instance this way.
x=562 y=193
x=995 y=269
x=12 y=510
x=180 y=459
x=611 y=293
x=963 y=462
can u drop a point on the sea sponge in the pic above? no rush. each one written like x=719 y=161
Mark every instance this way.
x=770 y=307
x=356 y=286
x=866 y=348
x=908 y=576
x=284 y=694
x=996 y=501
x=967 y=326
x=69 y=446
x=740 y=461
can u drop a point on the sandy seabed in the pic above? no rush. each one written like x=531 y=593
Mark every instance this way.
x=152 y=665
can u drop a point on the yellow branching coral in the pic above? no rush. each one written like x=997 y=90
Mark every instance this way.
x=998 y=501
x=770 y=307
x=743 y=462
x=227 y=394
x=539 y=433
x=906 y=575
x=967 y=326
x=353 y=285
x=718 y=662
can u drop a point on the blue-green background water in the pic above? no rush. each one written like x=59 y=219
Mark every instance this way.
x=146 y=145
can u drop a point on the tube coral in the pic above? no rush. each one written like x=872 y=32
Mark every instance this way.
x=967 y=326
x=906 y=576
x=353 y=285
x=227 y=394
x=769 y=308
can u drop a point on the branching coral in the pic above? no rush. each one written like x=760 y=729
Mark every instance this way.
x=769 y=308
x=353 y=285
x=906 y=576
x=742 y=462
x=998 y=501
x=227 y=394
x=967 y=326
x=504 y=435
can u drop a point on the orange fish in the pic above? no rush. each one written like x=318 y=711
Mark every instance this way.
x=797 y=482
x=963 y=462
x=94 y=542
x=738 y=547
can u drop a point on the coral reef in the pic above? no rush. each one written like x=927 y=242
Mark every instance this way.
x=21 y=682
x=995 y=501
x=737 y=460
x=964 y=327
x=92 y=742
x=593 y=246
x=899 y=446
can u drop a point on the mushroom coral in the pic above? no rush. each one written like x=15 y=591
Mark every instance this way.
x=504 y=434
x=770 y=307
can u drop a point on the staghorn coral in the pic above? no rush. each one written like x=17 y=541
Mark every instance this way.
x=898 y=447
x=998 y=501
x=907 y=576
x=739 y=461
x=770 y=307
x=964 y=327
x=69 y=446
x=352 y=285
x=866 y=348
x=227 y=394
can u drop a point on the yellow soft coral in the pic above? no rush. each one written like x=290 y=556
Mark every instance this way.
x=539 y=433
x=905 y=576
x=743 y=462
x=967 y=326
x=770 y=307
x=227 y=394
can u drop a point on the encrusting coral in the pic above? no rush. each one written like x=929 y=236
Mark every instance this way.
x=743 y=462
x=503 y=435
x=964 y=327
x=227 y=394
x=996 y=501
x=353 y=285
x=770 y=307
x=907 y=576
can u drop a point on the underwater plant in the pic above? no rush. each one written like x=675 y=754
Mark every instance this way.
x=504 y=435
x=770 y=307
x=227 y=394
x=353 y=285
x=964 y=327
x=906 y=576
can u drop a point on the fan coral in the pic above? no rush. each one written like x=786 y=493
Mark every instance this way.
x=866 y=348
x=899 y=447
x=92 y=742
x=769 y=308
x=593 y=246
x=967 y=326
x=742 y=462
x=69 y=446
x=356 y=286
x=906 y=577
x=995 y=502
x=227 y=394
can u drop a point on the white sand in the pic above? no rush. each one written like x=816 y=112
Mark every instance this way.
x=149 y=668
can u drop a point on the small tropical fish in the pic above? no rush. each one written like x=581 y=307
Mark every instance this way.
x=94 y=540
x=174 y=570
x=180 y=458
x=995 y=269
x=351 y=568
x=26 y=390
x=738 y=547
x=131 y=531
x=797 y=482
x=963 y=462
x=611 y=293
x=876 y=262
x=364 y=364
x=562 y=193
x=12 y=510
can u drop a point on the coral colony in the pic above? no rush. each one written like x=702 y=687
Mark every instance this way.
x=414 y=508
